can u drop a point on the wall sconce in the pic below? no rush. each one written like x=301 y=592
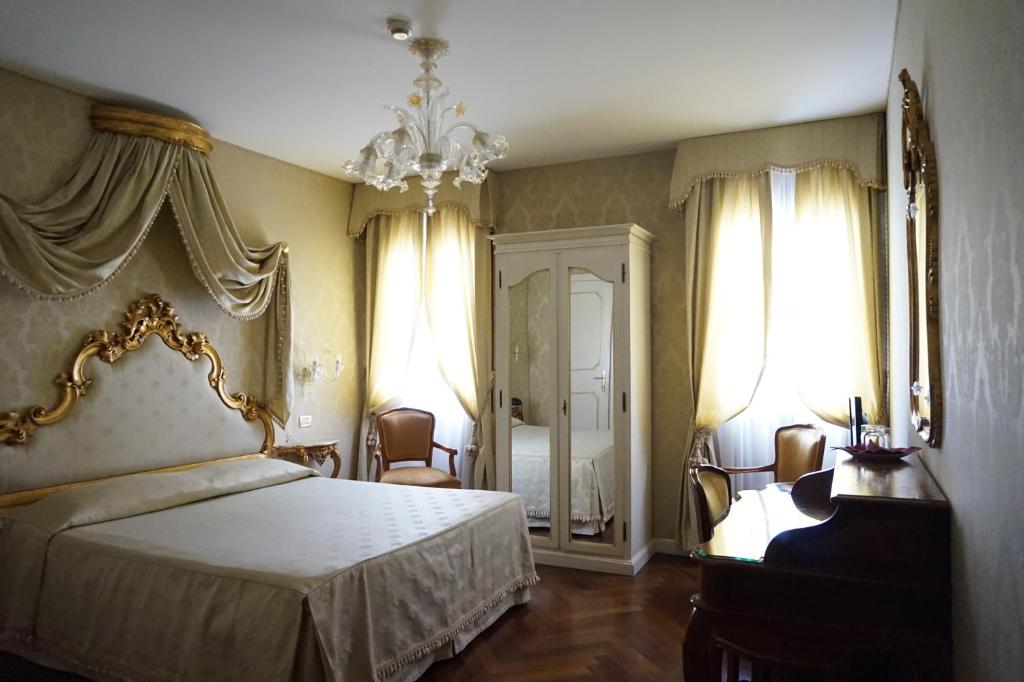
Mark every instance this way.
x=325 y=365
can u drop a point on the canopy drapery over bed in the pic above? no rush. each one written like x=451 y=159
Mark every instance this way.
x=72 y=243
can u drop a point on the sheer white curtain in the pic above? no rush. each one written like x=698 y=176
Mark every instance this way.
x=425 y=388
x=422 y=384
x=458 y=256
x=749 y=438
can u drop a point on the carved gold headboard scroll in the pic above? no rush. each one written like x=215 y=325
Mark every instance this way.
x=148 y=315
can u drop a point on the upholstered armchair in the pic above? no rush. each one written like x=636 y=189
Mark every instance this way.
x=407 y=435
x=799 y=449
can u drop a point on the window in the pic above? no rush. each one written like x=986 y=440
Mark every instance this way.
x=425 y=388
x=422 y=386
x=802 y=252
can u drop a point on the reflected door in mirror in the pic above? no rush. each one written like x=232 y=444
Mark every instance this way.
x=591 y=436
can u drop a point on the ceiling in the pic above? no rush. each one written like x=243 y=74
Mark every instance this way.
x=302 y=80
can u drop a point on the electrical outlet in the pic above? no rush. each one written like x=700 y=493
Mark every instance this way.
x=305 y=421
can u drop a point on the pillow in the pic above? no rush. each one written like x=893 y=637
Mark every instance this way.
x=517 y=422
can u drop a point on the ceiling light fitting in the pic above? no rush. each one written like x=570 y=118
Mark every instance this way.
x=422 y=144
x=399 y=28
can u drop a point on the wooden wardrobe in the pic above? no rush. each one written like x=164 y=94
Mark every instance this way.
x=572 y=343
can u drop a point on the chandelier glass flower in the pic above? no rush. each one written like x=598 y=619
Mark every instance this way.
x=424 y=142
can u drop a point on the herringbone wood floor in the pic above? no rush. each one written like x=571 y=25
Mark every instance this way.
x=586 y=626
x=578 y=626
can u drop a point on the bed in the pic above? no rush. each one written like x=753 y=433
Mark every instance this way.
x=246 y=567
x=592 y=476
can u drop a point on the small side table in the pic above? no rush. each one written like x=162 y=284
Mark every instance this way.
x=318 y=451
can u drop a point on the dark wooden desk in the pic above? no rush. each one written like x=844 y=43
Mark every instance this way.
x=852 y=562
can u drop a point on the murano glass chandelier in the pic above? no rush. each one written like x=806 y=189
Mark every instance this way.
x=424 y=143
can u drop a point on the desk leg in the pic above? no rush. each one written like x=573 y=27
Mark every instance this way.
x=337 y=463
x=700 y=664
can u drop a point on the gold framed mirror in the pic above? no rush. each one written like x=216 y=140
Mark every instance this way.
x=921 y=182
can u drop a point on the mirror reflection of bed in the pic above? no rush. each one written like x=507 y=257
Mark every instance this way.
x=591 y=436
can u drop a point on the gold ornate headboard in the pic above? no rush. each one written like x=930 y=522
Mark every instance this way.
x=146 y=316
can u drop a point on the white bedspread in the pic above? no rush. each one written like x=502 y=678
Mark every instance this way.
x=257 y=571
x=593 y=475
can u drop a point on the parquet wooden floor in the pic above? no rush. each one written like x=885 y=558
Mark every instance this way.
x=578 y=626
x=586 y=626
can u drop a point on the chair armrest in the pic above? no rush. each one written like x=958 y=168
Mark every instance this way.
x=380 y=465
x=451 y=456
x=748 y=470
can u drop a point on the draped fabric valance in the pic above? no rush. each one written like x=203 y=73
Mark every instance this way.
x=856 y=142
x=75 y=241
x=369 y=202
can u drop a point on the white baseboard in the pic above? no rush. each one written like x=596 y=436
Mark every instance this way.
x=642 y=556
x=600 y=564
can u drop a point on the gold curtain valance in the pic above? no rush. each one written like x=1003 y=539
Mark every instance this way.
x=854 y=142
x=477 y=200
x=127 y=121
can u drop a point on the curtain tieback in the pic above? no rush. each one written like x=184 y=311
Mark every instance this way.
x=371 y=433
x=473 y=448
x=702 y=444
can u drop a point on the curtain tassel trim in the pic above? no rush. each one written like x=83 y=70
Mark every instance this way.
x=575 y=517
x=676 y=203
x=446 y=637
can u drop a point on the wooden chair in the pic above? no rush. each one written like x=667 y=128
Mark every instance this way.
x=712 y=492
x=799 y=449
x=407 y=435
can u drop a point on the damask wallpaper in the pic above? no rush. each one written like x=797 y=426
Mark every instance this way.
x=529 y=306
x=43 y=131
x=538 y=339
x=966 y=58
x=626 y=189
x=519 y=342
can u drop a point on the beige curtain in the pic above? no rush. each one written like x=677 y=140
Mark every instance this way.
x=728 y=287
x=394 y=281
x=836 y=299
x=72 y=243
x=457 y=278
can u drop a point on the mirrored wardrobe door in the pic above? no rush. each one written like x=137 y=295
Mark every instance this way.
x=588 y=377
x=532 y=395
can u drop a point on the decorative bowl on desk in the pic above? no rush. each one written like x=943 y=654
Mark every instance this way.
x=872 y=452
